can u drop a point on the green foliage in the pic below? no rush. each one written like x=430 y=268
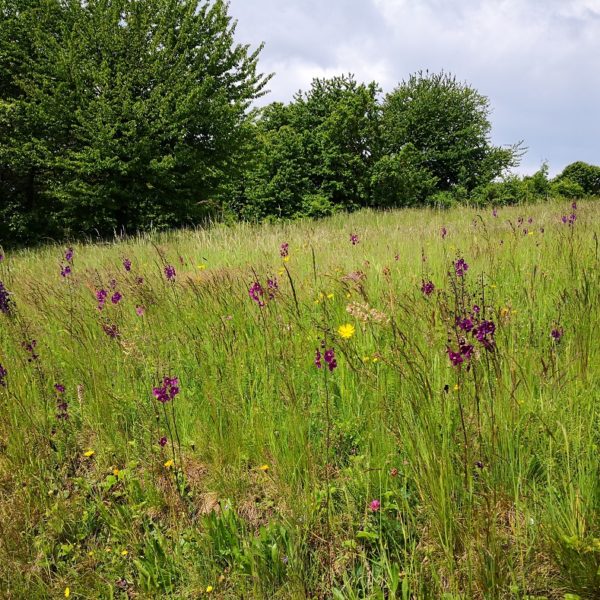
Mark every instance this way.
x=447 y=124
x=119 y=114
x=314 y=154
x=583 y=174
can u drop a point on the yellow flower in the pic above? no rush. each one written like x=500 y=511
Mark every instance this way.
x=116 y=472
x=493 y=286
x=330 y=296
x=209 y=588
x=286 y=259
x=281 y=271
x=124 y=553
x=456 y=387
x=67 y=592
x=346 y=331
x=169 y=464
x=531 y=233
x=375 y=359
x=89 y=453
x=348 y=295
x=264 y=467
x=366 y=359
x=202 y=267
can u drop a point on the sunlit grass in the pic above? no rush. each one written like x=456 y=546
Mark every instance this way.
x=392 y=474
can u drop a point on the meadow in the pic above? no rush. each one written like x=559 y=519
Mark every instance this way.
x=376 y=405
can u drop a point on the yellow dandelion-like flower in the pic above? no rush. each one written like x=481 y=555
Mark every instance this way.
x=346 y=331
x=202 y=267
x=67 y=592
x=330 y=296
x=264 y=467
x=124 y=553
x=504 y=312
x=116 y=472
x=456 y=387
x=286 y=259
x=375 y=359
x=89 y=453
x=209 y=588
x=366 y=359
x=169 y=464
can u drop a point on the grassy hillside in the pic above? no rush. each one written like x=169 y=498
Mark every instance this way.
x=195 y=415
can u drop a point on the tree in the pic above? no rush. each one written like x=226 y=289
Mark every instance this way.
x=581 y=173
x=315 y=154
x=123 y=113
x=447 y=124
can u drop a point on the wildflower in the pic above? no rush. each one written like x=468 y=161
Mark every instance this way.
x=456 y=387
x=202 y=267
x=346 y=331
x=394 y=472
x=29 y=347
x=465 y=324
x=3 y=374
x=564 y=218
x=574 y=205
x=168 y=390
x=484 y=334
x=111 y=330
x=5 y=300
x=494 y=213
x=139 y=310
x=476 y=309
x=62 y=406
x=1 y=257
x=89 y=453
x=209 y=589
x=427 y=287
x=443 y=232
x=329 y=358
x=124 y=553
x=169 y=464
x=65 y=270
x=461 y=267
x=284 y=250
x=170 y=273
x=272 y=288
x=330 y=296
x=116 y=298
x=572 y=218
x=455 y=358
x=127 y=264
x=69 y=255
x=375 y=505
x=67 y=592
x=354 y=239
x=101 y=296
x=557 y=333
x=116 y=472
x=318 y=358
x=162 y=442
x=466 y=350
x=256 y=292
x=263 y=468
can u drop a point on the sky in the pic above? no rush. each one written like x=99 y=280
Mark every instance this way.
x=538 y=61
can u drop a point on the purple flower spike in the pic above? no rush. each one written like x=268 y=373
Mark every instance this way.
x=461 y=267
x=162 y=442
x=455 y=358
x=127 y=264
x=256 y=292
x=354 y=238
x=116 y=298
x=101 y=296
x=65 y=270
x=557 y=333
x=3 y=374
x=427 y=287
x=318 y=357
x=284 y=250
x=168 y=390
x=69 y=255
x=329 y=358
x=5 y=300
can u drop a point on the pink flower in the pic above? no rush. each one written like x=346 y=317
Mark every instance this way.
x=375 y=505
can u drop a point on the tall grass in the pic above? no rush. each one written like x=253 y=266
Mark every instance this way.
x=395 y=474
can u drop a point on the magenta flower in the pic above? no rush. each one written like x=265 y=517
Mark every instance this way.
x=62 y=406
x=256 y=292
x=3 y=374
x=494 y=213
x=111 y=330
x=162 y=442
x=168 y=390
x=318 y=357
x=329 y=357
x=69 y=255
x=101 y=296
x=557 y=333
x=5 y=300
x=170 y=273
x=272 y=287
x=375 y=505
x=354 y=238
x=65 y=270
x=574 y=205
x=29 y=347
x=465 y=324
x=116 y=297
x=140 y=310
x=427 y=287
x=461 y=267
x=284 y=250
x=127 y=264
x=455 y=357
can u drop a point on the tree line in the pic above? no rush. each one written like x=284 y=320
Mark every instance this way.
x=123 y=115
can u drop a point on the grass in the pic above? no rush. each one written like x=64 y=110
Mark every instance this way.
x=485 y=474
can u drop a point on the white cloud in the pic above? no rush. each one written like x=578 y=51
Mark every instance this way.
x=535 y=59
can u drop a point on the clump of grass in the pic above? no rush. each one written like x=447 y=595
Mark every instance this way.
x=397 y=404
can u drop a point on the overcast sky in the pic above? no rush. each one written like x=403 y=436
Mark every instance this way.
x=538 y=61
